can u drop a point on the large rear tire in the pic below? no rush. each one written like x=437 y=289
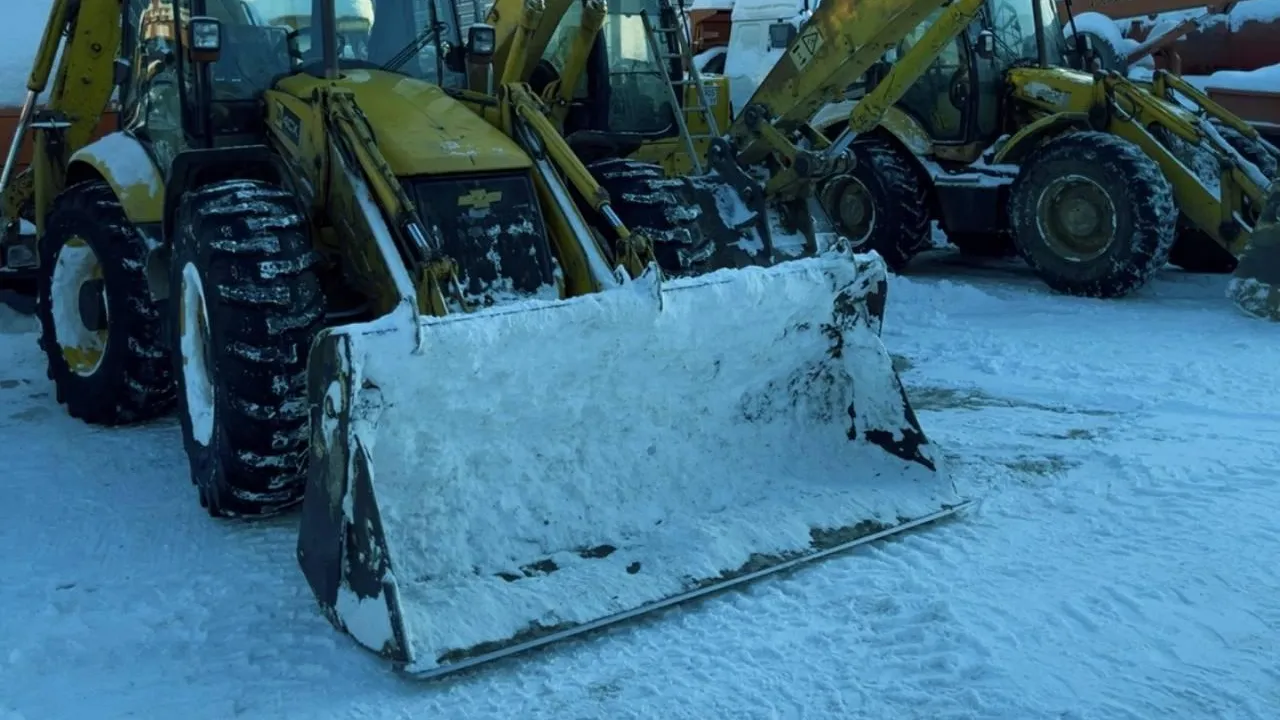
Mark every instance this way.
x=644 y=199
x=882 y=204
x=246 y=306
x=101 y=330
x=1092 y=214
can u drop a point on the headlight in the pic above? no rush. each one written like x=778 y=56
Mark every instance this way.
x=481 y=40
x=206 y=35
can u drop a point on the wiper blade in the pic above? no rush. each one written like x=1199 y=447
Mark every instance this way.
x=406 y=53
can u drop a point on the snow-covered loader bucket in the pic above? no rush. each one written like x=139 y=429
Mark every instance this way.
x=500 y=480
x=1255 y=287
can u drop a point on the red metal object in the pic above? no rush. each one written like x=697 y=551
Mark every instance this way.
x=1217 y=46
x=9 y=123
x=710 y=28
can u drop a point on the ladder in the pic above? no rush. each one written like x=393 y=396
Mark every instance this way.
x=661 y=40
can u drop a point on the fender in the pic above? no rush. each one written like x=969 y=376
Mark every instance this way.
x=1021 y=143
x=120 y=160
x=193 y=169
x=832 y=119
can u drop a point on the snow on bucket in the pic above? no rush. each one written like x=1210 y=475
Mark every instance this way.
x=536 y=471
x=1255 y=285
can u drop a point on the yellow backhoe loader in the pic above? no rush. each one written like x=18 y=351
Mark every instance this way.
x=970 y=119
x=372 y=285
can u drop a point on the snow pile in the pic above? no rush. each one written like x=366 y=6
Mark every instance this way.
x=1265 y=79
x=1099 y=25
x=684 y=441
x=1261 y=11
x=1247 y=11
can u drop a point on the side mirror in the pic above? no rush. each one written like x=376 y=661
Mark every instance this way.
x=986 y=45
x=205 y=39
x=781 y=35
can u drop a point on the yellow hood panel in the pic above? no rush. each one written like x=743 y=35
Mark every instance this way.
x=420 y=129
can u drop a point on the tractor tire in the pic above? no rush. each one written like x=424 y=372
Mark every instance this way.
x=246 y=305
x=649 y=203
x=101 y=330
x=1092 y=215
x=1109 y=56
x=1195 y=251
x=882 y=204
x=1250 y=150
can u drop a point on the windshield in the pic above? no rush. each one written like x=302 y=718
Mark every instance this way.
x=1014 y=25
x=413 y=35
x=639 y=98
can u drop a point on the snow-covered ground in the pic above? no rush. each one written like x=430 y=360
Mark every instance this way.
x=1121 y=565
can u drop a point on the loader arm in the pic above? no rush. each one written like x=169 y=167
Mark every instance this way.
x=522 y=30
x=836 y=46
x=559 y=93
x=82 y=87
x=433 y=272
x=1221 y=215
x=633 y=252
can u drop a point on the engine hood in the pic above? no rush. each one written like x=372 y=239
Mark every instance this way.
x=420 y=129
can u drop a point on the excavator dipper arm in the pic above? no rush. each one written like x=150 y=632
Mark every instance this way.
x=837 y=45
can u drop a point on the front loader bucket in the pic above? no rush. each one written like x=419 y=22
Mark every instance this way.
x=486 y=483
x=1255 y=286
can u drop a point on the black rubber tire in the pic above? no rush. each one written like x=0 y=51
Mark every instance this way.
x=132 y=383
x=1250 y=150
x=899 y=199
x=1145 y=213
x=1195 y=251
x=643 y=198
x=249 y=244
x=1109 y=56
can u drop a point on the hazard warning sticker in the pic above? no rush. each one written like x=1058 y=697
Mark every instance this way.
x=805 y=47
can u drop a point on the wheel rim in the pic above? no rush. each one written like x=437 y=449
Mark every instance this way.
x=855 y=210
x=197 y=376
x=78 y=304
x=1077 y=218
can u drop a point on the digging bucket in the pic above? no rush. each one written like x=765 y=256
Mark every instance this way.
x=1255 y=285
x=486 y=483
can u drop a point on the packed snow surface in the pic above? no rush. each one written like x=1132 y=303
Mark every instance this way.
x=1119 y=567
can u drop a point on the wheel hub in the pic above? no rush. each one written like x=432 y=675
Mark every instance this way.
x=854 y=208
x=1077 y=218
x=195 y=346
x=78 y=304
